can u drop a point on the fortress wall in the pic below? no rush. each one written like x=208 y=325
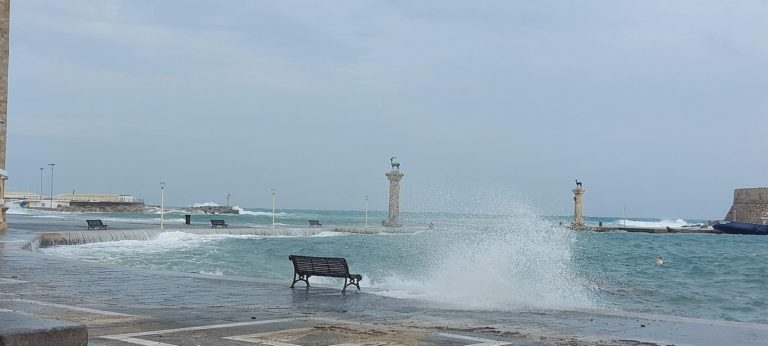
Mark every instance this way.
x=754 y=195
x=749 y=205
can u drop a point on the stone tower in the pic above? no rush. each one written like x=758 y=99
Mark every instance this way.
x=5 y=17
x=394 y=177
x=749 y=205
x=578 y=200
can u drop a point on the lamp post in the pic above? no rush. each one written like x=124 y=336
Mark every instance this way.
x=162 y=202
x=51 y=164
x=625 y=216
x=41 y=183
x=366 y=211
x=273 y=208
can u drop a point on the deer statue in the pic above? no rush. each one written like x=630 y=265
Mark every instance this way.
x=395 y=165
x=578 y=183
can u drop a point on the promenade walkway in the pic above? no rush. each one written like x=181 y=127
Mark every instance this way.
x=122 y=306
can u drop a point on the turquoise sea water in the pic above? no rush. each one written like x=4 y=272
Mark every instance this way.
x=469 y=261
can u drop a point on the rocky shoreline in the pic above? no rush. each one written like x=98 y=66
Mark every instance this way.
x=213 y=210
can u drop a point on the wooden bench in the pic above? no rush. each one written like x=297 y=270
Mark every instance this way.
x=218 y=223
x=315 y=223
x=305 y=267
x=92 y=224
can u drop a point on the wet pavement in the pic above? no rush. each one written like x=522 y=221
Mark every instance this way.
x=122 y=306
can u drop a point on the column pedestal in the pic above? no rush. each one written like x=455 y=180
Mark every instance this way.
x=394 y=198
x=578 y=218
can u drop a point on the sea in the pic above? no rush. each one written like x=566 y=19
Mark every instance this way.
x=520 y=260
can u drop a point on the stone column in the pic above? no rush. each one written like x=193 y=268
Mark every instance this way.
x=5 y=10
x=578 y=218
x=394 y=198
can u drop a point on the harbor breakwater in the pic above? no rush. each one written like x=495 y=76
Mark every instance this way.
x=652 y=229
x=49 y=239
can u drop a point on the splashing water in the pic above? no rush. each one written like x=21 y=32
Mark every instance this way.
x=509 y=262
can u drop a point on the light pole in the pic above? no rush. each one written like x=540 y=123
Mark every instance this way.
x=625 y=216
x=51 y=164
x=273 y=208
x=228 y=196
x=41 y=183
x=366 y=211
x=162 y=202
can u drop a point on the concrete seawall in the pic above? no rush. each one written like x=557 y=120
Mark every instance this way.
x=87 y=237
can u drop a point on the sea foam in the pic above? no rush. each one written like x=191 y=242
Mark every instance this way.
x=653 y=224
x=258 y=213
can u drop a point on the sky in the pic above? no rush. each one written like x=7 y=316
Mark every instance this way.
x=658 y=107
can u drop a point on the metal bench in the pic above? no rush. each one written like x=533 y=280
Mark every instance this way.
x=315 y=223
x=305 y=267
x=218 y=223
x=92 y=224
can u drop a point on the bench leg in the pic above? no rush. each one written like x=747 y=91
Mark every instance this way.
x=352 y=281
x=297 y=278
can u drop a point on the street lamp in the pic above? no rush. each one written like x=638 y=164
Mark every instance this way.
x=625 y=216
x=162 y=202
x=51 y=164
x=41 y=183
x=366 y=211
x=273 y=208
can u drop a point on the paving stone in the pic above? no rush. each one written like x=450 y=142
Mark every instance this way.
x=22 y=329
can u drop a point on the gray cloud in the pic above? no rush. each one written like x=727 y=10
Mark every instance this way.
x=659 y=106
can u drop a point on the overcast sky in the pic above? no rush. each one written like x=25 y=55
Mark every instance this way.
x=659 y=106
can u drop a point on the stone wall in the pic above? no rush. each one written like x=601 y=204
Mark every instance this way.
x=113 y=207
x=749 y=205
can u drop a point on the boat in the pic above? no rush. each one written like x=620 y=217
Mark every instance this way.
x=735 y=227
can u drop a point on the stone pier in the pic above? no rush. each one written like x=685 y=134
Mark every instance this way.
x=394 y=177
x=5 y=9
x=578 y=218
